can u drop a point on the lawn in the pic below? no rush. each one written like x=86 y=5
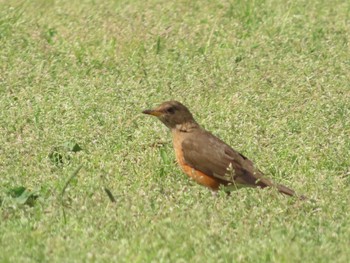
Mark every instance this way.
x=86 y=177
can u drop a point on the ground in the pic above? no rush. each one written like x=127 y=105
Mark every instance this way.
x=271 y=78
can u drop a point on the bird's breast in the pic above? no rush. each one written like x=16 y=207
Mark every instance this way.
x=195 y=174
x=177 y=143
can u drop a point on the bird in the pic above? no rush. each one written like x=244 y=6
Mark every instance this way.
x=207 y=159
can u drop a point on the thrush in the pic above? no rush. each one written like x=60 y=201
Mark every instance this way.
x=204 y=157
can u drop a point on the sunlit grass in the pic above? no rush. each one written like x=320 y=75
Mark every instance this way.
x=270 y=78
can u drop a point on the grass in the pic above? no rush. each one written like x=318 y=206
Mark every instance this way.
x=271 y=78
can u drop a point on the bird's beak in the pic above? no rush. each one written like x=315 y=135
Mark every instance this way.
x=153 y=112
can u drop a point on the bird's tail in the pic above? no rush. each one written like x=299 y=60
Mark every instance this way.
x=287 y=191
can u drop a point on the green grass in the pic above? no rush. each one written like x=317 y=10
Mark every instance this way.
x=271 y=78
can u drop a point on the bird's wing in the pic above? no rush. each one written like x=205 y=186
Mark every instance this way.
x=208 y=154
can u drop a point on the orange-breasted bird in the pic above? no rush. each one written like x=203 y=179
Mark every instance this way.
x=206 y=158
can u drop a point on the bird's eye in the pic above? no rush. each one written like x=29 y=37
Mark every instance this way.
x=170 y=110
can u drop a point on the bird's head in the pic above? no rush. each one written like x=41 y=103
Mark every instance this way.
x=172 y=113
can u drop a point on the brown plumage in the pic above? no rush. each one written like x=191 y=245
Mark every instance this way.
x=206 y=158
